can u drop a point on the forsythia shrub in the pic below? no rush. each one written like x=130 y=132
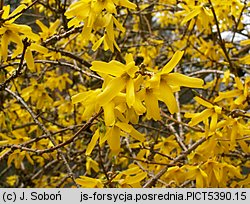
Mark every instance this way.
x=119 y=93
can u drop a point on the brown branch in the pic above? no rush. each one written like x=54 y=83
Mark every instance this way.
x=222 y=43
x=148 y=162
x=17 y=72
x=69 y=65
x=209 y=72
x=55 y=147
x=36 y=139
x=58 y=37
x=138 y=163
x=20 y=99
x=1 y=7
x=184 y=154
x=238 y=21
x=73 y=56
x=184 y=124
x=84 y=127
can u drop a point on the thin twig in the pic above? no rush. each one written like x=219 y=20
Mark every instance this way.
x=222 y=43
x=20 y=99
x=155 y=178
x=17 y=72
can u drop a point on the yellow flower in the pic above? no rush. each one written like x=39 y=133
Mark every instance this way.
x=175 y=174
x=204 y=15
x=91 y=164
x=162 y=86
x=10 y=32
x=212 y=111
x=197 y=174
x=12 y=180
x=121 y=78
x=97 y=14
x=87 y=99
x=112 y=136
x=242 y=92
x=47 y=31
x=233 y=129
x=87 y=182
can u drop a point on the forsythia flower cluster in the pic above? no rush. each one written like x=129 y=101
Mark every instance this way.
x=128 y=93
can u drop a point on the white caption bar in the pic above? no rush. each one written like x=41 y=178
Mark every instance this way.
x=128 y=196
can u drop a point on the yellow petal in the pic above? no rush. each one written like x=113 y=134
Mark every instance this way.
x=155 y=81
x=109 y=114
x=88 y=182
x=15 y=38
x=113 y=139
x=130 y=130
x=110 y=6
x=79 y=97
x=110 y=31
x=105 y=131
x=240 y=100
x=245 y=59
x=4 y=47
x=127 y=4
x=38 y=48
x=29 y=60
x=113 y=68
x=137 y=135
x=203 y=102
x=54 y=26
x=4 y=142
x=118 y=25
x=213 y=123
x=74 y=22
x=132 y=116
x=42 y=26
x=86 y=32
x=135 y=179
x=227 y=94
x=124 y=126
x=108 y=43
x=173 y=62
x=217 y=174
x=166 y=95
x=191 y=15
x=189 y=115
x=200 y=179
x=3 y=30
x=182 y=80
x=111 y=90
x=239 y=83
x=152 y=106
x=132 y=170
x=131 y=69
x=117 y=47
x=91 y=164
x=17 y=10
x=80 y=8
x=130 y=93
x=97 y=44
x=6 y=11
x=139 y=107
x=92 y=143
x=233 y=137
x=201 y=117
x=129 y=58
x=217 y=109
x=245 y=42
